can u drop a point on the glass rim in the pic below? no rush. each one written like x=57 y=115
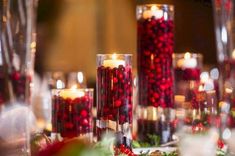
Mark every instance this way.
x=180 y=55
x=80 y=89
x=170 y=6
x=100 y=55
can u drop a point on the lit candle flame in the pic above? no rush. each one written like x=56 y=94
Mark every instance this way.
x=59 y=84
x=114 y=61
x=80 y=77
x=187 y=55
x=233 y=54
x=78 y=92
x=201 y=88
x=72 y=93
x=204 y=77
x=228 y=90
x=74 y=87
x=114 y=56
x=158 y=13
x=154 y=11
x=154 y=8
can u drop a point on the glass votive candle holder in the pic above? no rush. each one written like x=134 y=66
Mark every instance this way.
x=188 y=97
x=76 y=79
x=72 y=113
x=200 y=114
x=187 y=70
x=188 y=65
x=56 y=79
x=114 y=97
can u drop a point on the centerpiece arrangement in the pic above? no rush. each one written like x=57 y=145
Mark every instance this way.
x=179 y=106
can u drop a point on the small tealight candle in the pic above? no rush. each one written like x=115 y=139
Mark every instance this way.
x=180 y=104
x=114 y=62
x=71 y=93
x=187 y=62
x=233 y=54
x=155 y=11
x=179 y=99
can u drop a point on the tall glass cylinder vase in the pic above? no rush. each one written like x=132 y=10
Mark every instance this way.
x=225 y=31
x=17 y=49
x=114 y=97
x=18 y=43
x=155 y=77
x=187 y=69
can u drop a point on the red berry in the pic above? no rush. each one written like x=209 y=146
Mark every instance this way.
x=220 y=143
x=117 y=103
x=115 y=80
x=85 y=122
x=84 y=113
x=16 y=76
x=68 y=125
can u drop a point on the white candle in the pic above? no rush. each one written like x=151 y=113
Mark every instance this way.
x=71 y=93
x=204 y=77
x=179 y=98
x=180 y=104
x=114 y=62
x=155 y=11
x=190 y=63
x=59 y=84
x=187 y=61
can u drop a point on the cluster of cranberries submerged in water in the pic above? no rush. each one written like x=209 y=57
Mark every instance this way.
x=187 y=74
x=20 y=86
x=155 y=49
x=20 y=82
x=72 y=117
x=114 y=98
x=155 y=71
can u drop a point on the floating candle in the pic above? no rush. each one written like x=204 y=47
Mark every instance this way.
x=71 y=93
x=154 y=12
x=187 y=62
x=179 y=98
x=114 y=62
x=233 y=54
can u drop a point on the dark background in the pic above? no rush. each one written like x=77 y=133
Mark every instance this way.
x=115 y=30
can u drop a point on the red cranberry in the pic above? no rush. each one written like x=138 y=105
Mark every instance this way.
x=115 y=80
x=68 y=125
x=117 y=103
x=16 y=76
x=85 y=122
x=84 y=113
x=220 y=143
